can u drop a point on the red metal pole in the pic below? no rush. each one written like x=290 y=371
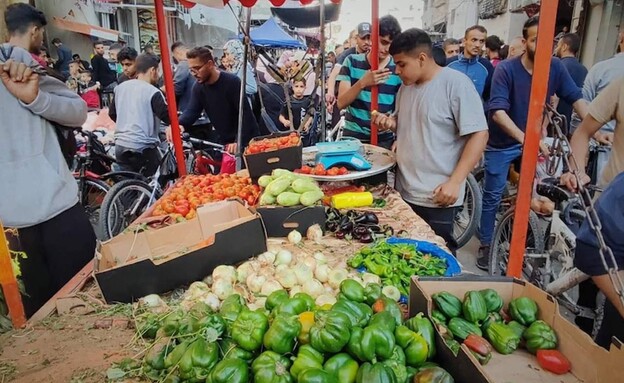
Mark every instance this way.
x=170 y=93
x=9 y=286
x=374 y=61
x=539 y=89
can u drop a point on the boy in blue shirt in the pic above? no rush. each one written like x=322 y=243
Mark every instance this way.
x=507 y=114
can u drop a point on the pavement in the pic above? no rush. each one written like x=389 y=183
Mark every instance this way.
x=467 y=256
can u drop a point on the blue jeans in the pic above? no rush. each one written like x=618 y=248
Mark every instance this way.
x=497 y=162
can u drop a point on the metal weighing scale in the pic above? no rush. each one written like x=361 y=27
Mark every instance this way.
x=348 y=153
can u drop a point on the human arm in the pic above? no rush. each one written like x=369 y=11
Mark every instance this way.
x=284 y=121
x=488 y=80
x=330 y=97
x=95 y=64
x=348 y=92
x=606 y=286
x=112 y=110
x=159 y=108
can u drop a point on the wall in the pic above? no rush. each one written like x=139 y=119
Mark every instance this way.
x=601 y=32
x=506 y=26
x=77 y=42
x=461 y=15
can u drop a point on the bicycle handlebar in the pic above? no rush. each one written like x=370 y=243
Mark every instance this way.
x=196 y=141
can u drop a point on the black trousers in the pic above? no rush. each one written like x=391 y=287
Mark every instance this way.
x=56 y=250
x=441 y=221
x=612 y=326
x=145 y=161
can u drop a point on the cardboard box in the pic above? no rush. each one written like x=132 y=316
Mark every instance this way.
x=131 y=265
x=590 y=362
x=264 y=163
x=280 y=221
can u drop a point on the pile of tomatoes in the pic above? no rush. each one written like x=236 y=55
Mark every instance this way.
x=195 y=190
x=270 y=144
x=319 y=170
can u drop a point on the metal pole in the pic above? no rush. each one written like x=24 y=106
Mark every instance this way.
x=8 y=283
x=243 y=94
x=532 y=137
x=169 y=88
x=322 y=79
x=374 y=61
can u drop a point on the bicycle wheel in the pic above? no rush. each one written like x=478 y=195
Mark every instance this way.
x=499 y=250
x=468 y=216
x=125 y=202
x=91 y=194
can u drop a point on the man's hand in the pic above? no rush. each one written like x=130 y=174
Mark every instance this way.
x=394 y=146
x=383 y=121
x=231 y=148
x=20 y=81
x=375 y=77
x=569 y=180
x=169 y=134
x=604 y=138
x=446 y=194
x=330 y=99
x=544 y=148
x=286 y=123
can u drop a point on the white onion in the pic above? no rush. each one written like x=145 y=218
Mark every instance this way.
x=370 y=278
x=336 y=276
x=391 y=292
x=208 y=280
x=281 y=268
x=286 y=278
x=266 y=258
x=243 y=271
x=255 y=282
x=315 y=233
x=310 y=262
x=227 y=273
x=294 y=237
x=257 y=304
x=303 y=273
x=269 y=287
x=211 y=300
x=242 y=290
x=320 y=258
x=295 y=289
x=152 y=301
x=222 y=288
x=198 y=285
x=322 y=273
x=313 y=288
x=358 y=280
x=325 y=299
x=283 y=257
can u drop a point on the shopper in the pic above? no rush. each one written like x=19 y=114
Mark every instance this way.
x=567 y=48
x=299 y=105
x=25 y=25
x=127 y=59
x=516 y=47
x=217 y=93
x=83 y=63
x=587 y=258
x=507 y=112
x=102 y=72
x=88 y=89
x=451 y=47
x=74 y=76
x=137 y=108
x=233 y=51
x=439 y=137
x=64 y=56
x=471 y=63
x=356 y=79
x=38 y=194
x=493 y=47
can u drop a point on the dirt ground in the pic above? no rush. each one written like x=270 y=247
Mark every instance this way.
x=73 y=348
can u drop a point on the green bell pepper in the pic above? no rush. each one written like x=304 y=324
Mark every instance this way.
x=489 y=319
x=415 y=346
x=375 y=373
x=309 y=301
x=176 y=354
x=316 y=375
x=474 y=307
x=423 y=326
x=343 y=367
x=171 y=323
x=516 y=327
x=330 y=332
x=353 y=290
x=271 y=367
x=155 y=357
x=282 y=334
x=492 y=299
x=448 y=304
x=275 y=299
x=307 y=358
x=358 y=313
x=294 y=306
x=372 y=292
x=148 y=324
x=540 y=336
x=438 y=317
x=504 y=339
x=411 y=372
x=453 y=345
x=461 y=328
x=386 y=304
x=523 y=310
x=231 y=350
x=397 y=363
x=372 y=343
x=249 y=328
x=433 y=375
x=384 y=318
x=230 y=308
x=229 y=371
x=198 y=360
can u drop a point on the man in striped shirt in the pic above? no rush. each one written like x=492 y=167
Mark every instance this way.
x=356 y=79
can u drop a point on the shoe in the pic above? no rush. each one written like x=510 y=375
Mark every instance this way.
x=483 y=258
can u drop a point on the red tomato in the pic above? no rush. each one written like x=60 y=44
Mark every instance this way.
x=251 y=200
x=553 y=361
x=343 y=171
x=333 y=171
x=306 y=169
x=182 y=209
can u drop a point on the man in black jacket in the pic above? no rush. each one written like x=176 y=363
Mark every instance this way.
x=101 y=70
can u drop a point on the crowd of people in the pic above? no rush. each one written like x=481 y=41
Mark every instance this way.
x=442 y=108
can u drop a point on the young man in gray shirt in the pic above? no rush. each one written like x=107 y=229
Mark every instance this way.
x=440 y=137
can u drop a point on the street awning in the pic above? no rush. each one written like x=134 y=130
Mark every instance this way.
x=86 y=29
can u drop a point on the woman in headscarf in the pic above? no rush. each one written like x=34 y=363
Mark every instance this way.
x=233 y=52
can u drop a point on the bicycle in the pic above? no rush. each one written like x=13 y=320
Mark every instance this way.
x=202 y=157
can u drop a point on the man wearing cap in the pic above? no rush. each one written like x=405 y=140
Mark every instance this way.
x=356 y=80
x=363 y=43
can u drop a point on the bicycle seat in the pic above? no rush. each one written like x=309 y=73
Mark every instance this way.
x=547 y=188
